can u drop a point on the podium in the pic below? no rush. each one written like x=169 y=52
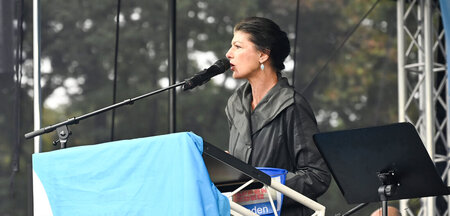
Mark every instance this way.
x=161 y=175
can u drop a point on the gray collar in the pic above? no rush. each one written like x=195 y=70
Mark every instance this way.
x=273 y=103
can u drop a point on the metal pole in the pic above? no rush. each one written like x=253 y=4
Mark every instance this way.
x=429 y=79
x=172 y=64
x=401 y=61
x=421 y=69
x=429 y=86
x=37 y=73
x=401 y=76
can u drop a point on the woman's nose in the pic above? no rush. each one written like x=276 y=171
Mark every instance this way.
x=229 y=54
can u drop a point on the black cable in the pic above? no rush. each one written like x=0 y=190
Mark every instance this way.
x=297 y=12
x=116 y=52
x=172 y=65
x=340 y=46
x=18 y=76
x=18 y=96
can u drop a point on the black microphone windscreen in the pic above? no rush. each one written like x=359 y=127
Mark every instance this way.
x=224 y=64
x=220 y=66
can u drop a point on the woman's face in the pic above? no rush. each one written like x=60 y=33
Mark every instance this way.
x=243 y=55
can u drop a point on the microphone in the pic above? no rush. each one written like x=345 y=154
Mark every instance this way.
x=205 y=75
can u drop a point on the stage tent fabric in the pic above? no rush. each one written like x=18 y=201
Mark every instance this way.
x=445 y=11
x=445 y=14
x=161 y=175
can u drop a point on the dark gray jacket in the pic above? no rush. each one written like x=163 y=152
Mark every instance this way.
x=278 y=133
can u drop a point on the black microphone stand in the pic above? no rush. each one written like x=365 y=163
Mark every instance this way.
x=353 y=210
x=62 y=128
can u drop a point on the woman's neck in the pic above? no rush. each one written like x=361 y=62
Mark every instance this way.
x=261 y=85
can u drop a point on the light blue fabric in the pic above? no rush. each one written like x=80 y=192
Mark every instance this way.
x=162 y=175
x=445 y=11
x=445 y=14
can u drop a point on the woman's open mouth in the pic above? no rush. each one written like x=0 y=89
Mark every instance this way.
x=232 y=66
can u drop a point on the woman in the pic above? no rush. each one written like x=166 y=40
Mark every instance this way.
x=271 y=125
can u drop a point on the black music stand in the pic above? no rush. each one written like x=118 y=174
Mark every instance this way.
x=380 y=163
x=229 y=173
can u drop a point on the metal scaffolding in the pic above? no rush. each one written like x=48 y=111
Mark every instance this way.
x=422 y=89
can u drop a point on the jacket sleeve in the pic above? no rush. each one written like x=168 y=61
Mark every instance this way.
x=310 y=176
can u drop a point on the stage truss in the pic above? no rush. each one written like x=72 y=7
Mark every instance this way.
x=423 y=90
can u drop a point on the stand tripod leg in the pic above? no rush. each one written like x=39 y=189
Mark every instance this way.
x=353 y=210
x=384 y=208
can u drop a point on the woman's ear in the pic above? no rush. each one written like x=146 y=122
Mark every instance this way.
x=264 y=56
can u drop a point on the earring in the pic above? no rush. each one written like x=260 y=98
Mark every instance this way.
x=262 y=66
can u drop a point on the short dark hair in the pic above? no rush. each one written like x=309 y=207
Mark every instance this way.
x=268 y=38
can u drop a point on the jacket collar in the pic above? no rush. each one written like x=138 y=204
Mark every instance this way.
x=275 y=101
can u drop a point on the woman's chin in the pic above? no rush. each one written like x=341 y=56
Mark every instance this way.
x=236 y=75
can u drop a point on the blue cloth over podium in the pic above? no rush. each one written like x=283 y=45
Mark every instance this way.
x=161 y=175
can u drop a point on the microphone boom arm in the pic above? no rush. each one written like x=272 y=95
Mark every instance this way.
x=201 y=78
x=62 y=128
